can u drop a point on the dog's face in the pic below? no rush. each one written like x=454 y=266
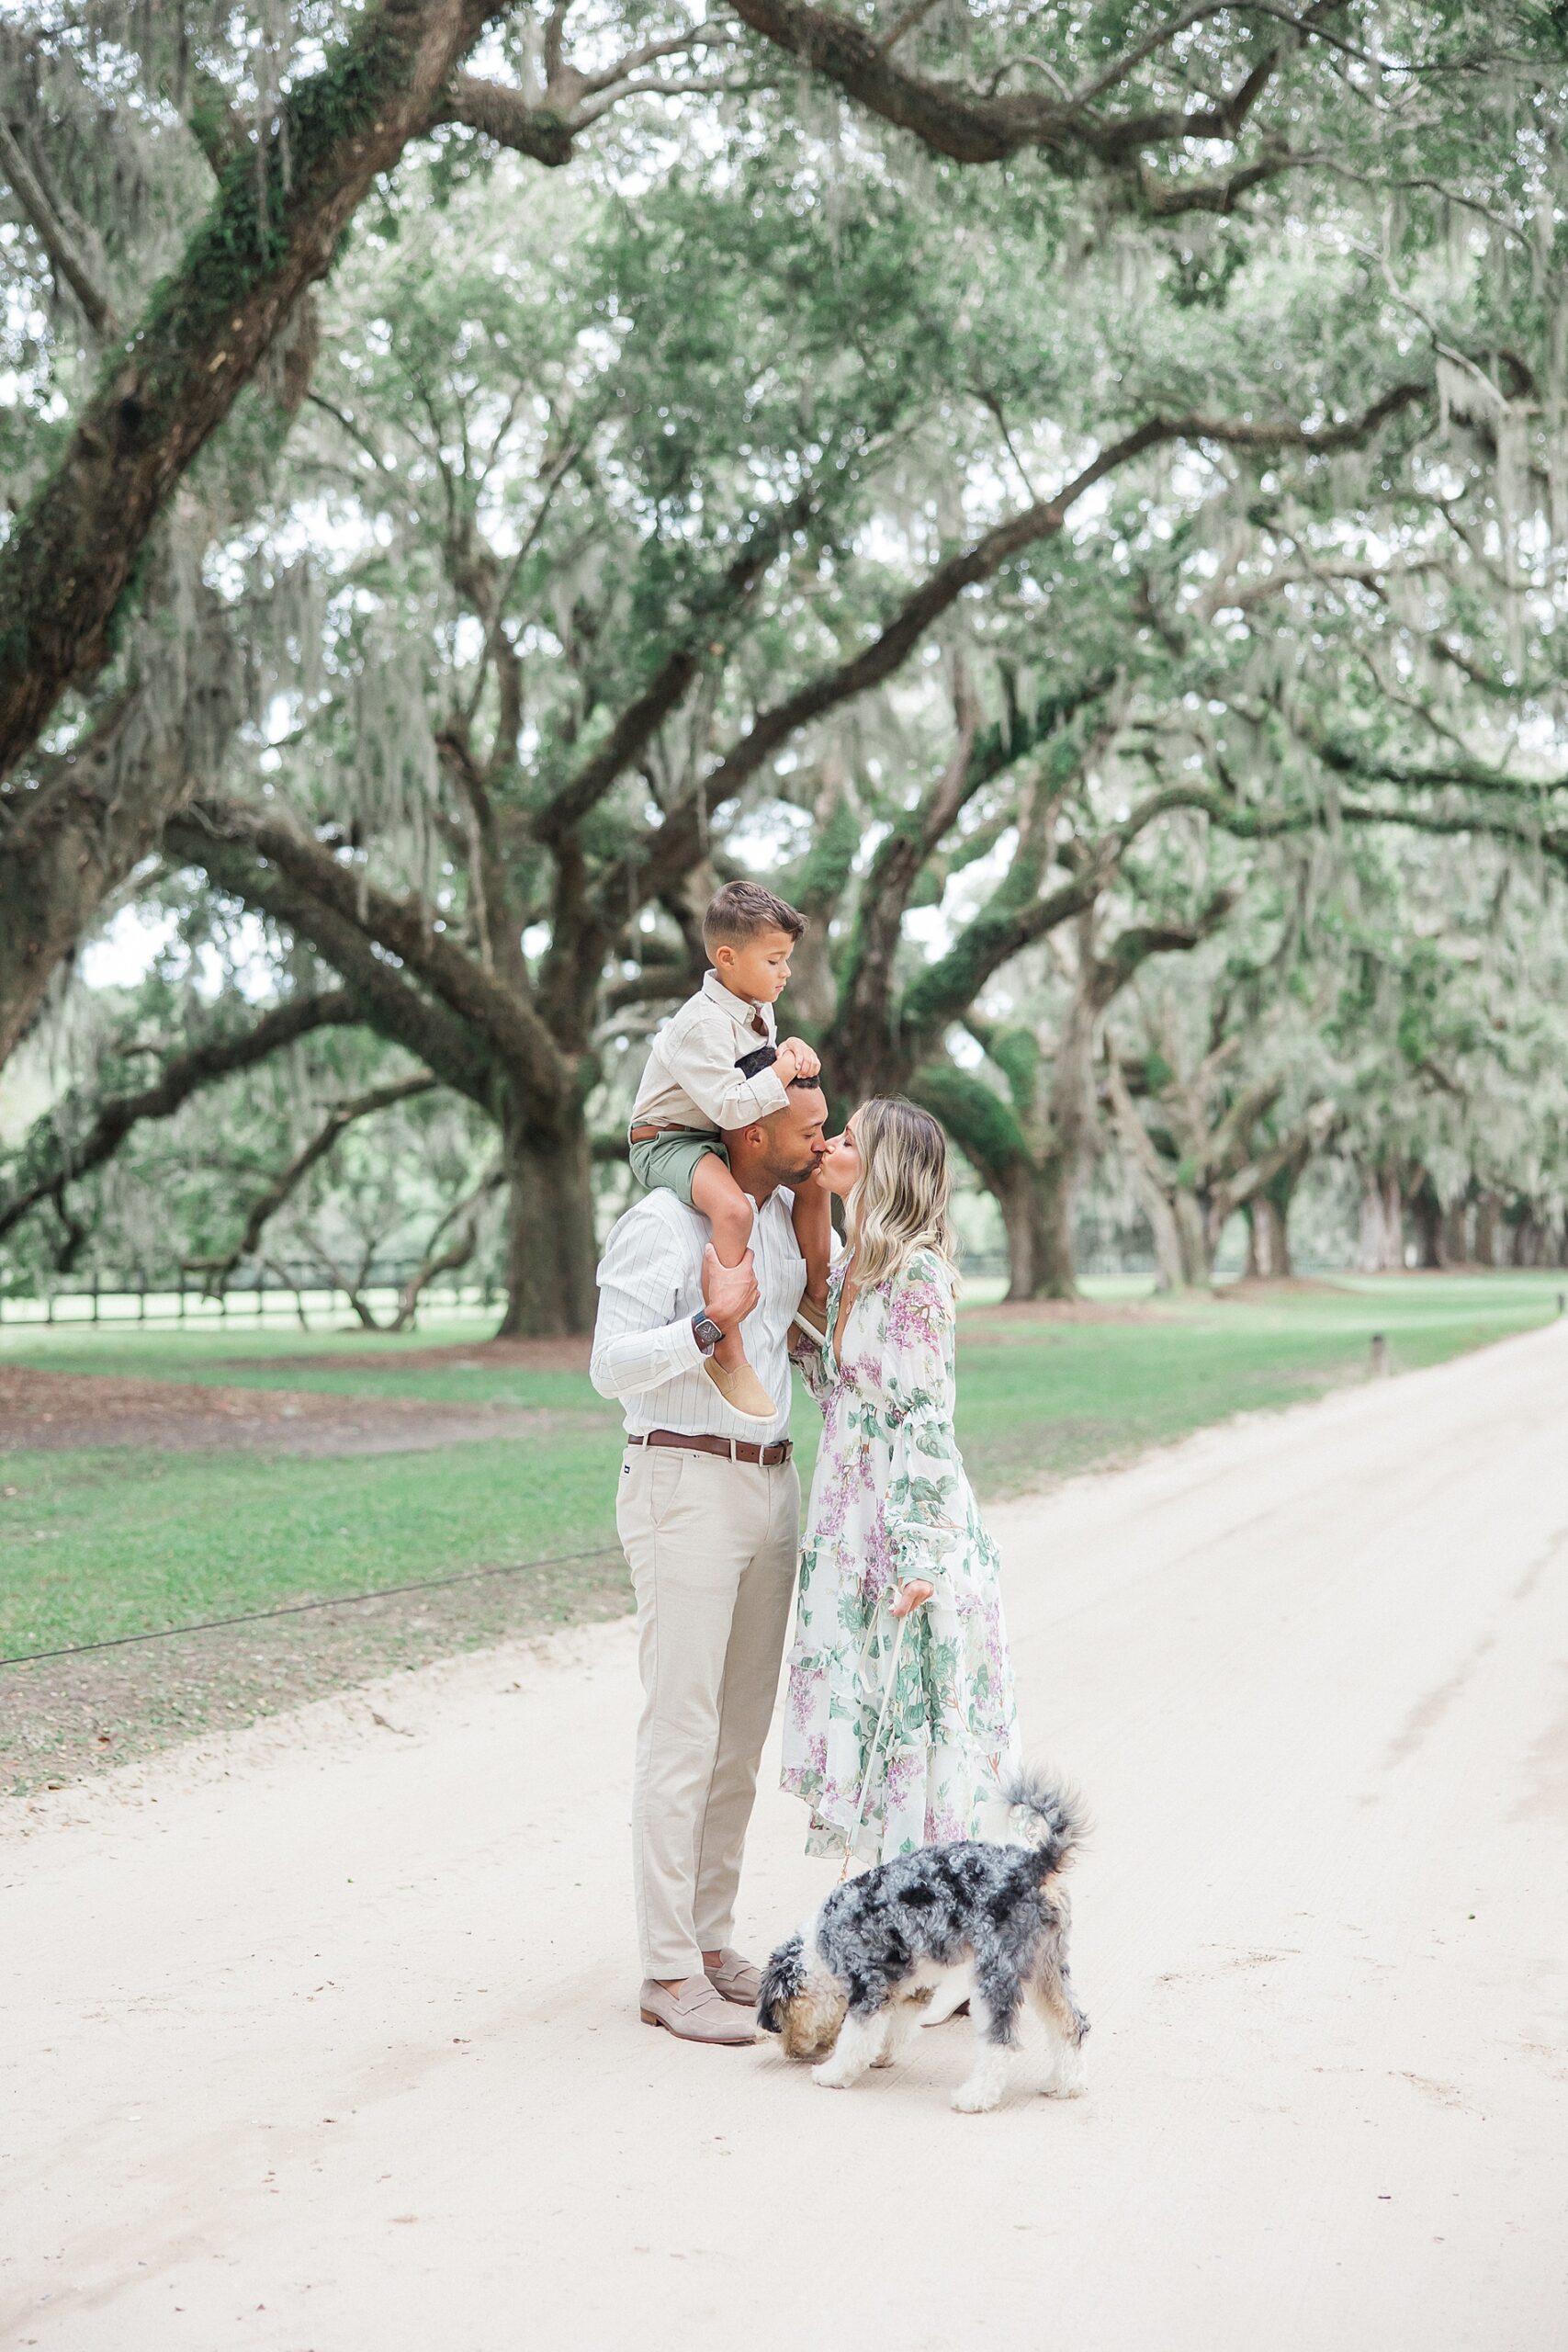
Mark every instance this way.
x=802 y=2002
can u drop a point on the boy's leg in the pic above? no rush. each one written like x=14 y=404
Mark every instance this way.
x=812 y=1217
x=718 y=1197
x=730 y=1212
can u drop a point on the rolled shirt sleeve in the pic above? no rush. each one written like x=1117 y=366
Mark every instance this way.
x=639 y=1339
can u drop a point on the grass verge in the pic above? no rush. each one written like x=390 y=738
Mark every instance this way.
x=119 y=1540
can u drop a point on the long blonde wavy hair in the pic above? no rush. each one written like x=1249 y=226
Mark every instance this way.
x=902 y=1201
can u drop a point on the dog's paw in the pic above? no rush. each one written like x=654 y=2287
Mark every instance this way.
x=969 y=2101
x=1067 y=2080
x=830 y=2078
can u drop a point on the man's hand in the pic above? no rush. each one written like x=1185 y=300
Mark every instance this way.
x=796 y=1061
x=729 y=1292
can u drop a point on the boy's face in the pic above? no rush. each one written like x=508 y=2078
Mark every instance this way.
x=756 y=968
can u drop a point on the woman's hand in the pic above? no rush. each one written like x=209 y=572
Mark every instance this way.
x=911 y=1596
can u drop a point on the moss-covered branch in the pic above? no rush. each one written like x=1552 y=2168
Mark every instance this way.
x=272 y=231
x=287 y=1180
x=51 y=1159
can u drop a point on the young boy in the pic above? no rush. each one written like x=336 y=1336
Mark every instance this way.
x=717 y=1065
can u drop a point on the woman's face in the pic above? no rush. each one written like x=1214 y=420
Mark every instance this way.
x=841 y=1165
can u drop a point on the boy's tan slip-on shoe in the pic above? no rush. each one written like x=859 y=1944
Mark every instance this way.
x=695 y=2012
x=736 y=1977
x=742 y=1391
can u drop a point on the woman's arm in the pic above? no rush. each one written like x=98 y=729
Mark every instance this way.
x=810 y=1352
x=923 y=1509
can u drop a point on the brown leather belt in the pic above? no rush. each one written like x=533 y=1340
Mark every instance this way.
x=733 y=1449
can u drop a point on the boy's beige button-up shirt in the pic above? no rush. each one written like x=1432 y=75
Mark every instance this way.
x=690 y=1079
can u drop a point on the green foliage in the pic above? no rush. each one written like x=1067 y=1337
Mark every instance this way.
x=553 y=411
x=977 y=1119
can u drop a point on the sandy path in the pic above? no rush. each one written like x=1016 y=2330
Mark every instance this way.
x=321 y=2041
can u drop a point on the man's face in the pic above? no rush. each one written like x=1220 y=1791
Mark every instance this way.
x=795 y=1138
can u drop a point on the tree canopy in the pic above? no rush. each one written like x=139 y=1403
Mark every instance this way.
x=1077 y=502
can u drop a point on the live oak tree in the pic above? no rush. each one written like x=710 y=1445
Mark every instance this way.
x=643 y=593
x=1217 y=1098
x=626 y=565
x=1167 y=119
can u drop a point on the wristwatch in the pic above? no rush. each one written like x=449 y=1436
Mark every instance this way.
x=706 y=1331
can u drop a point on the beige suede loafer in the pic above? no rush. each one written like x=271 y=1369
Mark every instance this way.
x=695 y=2012
x=742 y=1391
x=737 y=1978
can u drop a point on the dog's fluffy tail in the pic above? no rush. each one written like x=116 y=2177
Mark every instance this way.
x=1048 y=1815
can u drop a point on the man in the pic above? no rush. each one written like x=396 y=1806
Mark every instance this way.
x=709 y=1518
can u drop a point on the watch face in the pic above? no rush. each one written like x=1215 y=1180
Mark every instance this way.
x=707 y=1330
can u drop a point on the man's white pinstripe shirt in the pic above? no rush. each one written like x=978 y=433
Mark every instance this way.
x=651 y=1285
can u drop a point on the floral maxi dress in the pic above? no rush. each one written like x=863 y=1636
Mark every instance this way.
x=889 y=1502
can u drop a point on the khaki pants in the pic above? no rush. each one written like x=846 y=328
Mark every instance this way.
x=712 y=1545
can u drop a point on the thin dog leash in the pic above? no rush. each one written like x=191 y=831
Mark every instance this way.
x=876 y=1740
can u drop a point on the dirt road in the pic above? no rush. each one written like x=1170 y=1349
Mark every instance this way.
x=322 y=2039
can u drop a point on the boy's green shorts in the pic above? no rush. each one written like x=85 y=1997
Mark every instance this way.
x=667 y=1163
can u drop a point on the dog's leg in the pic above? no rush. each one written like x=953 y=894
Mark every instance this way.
x=896 y=2019
x=987 y=2078
x=858 y=2041
x=1067 y=2026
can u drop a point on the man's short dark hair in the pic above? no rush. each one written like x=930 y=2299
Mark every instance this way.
x=744 y=909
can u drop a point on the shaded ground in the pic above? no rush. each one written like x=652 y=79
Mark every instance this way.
x=71 y=1718
x=1018 y=1321
x=68 y=1411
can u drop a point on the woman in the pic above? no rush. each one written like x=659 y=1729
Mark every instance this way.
x=893 y=1532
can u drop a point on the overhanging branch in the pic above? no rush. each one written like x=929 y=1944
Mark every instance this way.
x=342 y=1116
x=656 y=863
x=58 y=1160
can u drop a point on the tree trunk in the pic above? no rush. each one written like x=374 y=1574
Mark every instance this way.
x=550 y=1250
x=1382 y=1246
x=1426 y=1214
x=1486 y=1230
x=1018 y=1197
x=1392 y=1224
x=1070 y=1129
x=1036 y=1204
x=1267 y=1239
x=1192 y=1234
x=1182 y=1250
x=1452 y=1244
x=1525 y=1239
x=1055 y=1193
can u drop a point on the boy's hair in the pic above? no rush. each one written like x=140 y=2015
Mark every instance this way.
x=742 y=910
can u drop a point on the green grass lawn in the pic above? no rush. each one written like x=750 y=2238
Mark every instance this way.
x=121 y=1540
